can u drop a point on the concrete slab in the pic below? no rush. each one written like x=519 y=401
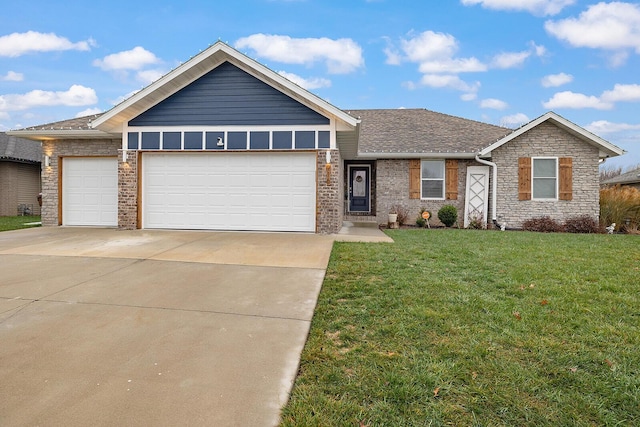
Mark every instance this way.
x=288 y=293
x=296 y=250
x=354 y=233
x=109 y=327
x=80 y=365
x=36 y=276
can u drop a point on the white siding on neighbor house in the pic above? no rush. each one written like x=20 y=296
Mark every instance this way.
x=266 y=191
x=90 y=191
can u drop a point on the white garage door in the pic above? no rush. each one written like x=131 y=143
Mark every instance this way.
x=90 y=191
x=229 y=191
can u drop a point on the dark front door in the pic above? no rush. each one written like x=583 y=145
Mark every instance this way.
x=359 y=189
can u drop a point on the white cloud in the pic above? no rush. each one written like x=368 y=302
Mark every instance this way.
x=89 y=112
x=309 y=84
x=134 y=59
x=149 y=76
x=18 y=44
x=12 y=76
x=341 y=56
x=568 y=99
x=606 y=101
x=555 y=80
x=448 y=81
x=494 y=104
x=536 y=7
x=514 y=120
x=435 y=53
x=611 y=26
x=76 y=96
x=601 y=127
x=626 y=93
x=510 y=59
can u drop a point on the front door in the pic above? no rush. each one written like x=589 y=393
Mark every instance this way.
x=359 y=188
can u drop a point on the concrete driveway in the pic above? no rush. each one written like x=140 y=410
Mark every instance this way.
x=107 y=327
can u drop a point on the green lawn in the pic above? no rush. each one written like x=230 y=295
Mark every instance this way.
x=17 y=222
x=475 y=328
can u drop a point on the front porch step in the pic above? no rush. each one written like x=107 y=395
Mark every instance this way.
x=360 y=221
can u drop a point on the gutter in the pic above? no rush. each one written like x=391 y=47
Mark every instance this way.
x=414 y=155
x=494 y=189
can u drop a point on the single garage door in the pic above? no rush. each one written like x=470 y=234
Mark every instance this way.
x=229 y=191
x=90 y=191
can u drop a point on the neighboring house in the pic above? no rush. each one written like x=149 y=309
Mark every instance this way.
x=19 y=176
x=630 y=179
x=222 y=142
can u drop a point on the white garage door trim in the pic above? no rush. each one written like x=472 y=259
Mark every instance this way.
x=273 y=191
x=90 y=191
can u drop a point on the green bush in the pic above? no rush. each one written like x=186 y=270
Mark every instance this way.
x=448 y=215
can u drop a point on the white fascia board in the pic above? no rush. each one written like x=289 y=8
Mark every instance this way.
x=215 y=55
x=605 y=146
x=392 y=155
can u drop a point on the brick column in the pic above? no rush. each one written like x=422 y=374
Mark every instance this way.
x=329 y=209
x=128 y=191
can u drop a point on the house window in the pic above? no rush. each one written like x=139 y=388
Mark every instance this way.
x=432 y=179
x=545 y=178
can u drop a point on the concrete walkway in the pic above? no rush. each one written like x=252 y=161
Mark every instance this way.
x=105 y=327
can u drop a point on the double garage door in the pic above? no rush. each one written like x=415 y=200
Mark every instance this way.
x=229 y=191
x=205 y=191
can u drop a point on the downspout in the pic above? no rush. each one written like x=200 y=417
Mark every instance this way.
x=494 y=189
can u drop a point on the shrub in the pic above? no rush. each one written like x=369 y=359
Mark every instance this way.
x=403 y=214
x=581 y=224
x=543 y=224
x=619 y=204
x=448 y=215
x=476 y=222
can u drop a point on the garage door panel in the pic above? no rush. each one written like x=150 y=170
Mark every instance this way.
x=90 y=191
x=229 y=191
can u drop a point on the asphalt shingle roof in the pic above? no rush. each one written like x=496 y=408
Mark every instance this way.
x=79 y=123
x=19 y=149
x=422 y=131
x=625 y=178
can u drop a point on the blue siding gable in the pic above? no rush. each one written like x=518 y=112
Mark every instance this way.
x=228 y=95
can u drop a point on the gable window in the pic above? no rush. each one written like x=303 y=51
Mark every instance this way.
x=432 y=179
x=545 y=178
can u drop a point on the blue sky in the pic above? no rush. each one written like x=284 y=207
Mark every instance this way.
x=503 y=62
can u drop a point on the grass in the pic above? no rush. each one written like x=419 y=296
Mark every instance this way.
x=17 y=222
x=475 y=328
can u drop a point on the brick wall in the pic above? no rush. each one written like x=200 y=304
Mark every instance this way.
x=62 y=148
x=392 y=187
x=546 y=140
x=330 y=194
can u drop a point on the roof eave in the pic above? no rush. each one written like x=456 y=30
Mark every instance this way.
x=196 y=67
x=606 y=148
x=416 y=155
x=53 y=134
